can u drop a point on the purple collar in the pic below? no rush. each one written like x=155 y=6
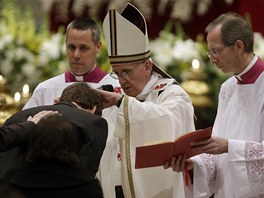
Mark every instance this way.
x=252 y=75
x=95 y=76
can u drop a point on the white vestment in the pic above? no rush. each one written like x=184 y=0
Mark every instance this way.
x=165 y=114
x=46 y=92
x=240 y=118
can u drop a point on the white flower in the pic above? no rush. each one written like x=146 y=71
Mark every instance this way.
x=22 y=53
x=259 y=44
x=31 y=73
x=28 y=70
x=162 y=52
x=50 y=49
x=169 y=49
x=186 y=50
x=5 y=41
x=6 y=67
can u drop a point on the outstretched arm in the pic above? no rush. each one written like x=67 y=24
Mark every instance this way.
x=16 y=134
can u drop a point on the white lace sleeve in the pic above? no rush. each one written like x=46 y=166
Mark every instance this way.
x=247 y=163
x=204 y=175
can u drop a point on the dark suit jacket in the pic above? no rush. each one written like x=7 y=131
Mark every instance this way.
x=55 y=180
x=93 y=130
x=14 y=134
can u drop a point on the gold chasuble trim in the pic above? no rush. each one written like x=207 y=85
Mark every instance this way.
x=128 y=157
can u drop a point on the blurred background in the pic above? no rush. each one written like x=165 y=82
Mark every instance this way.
x=32 y=48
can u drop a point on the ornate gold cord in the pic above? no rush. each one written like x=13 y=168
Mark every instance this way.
x=128 y=158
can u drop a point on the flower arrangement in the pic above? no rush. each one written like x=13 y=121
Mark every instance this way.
x=28 y=55
x=31 y=54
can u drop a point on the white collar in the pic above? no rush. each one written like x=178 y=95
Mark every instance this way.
x=149 y=86
x=78 y=78
x=254 y=60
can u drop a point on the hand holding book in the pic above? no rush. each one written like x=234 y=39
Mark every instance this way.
x=158 y=154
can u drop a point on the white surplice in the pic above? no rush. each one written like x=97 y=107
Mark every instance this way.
x=240 y=118
x=46 y=92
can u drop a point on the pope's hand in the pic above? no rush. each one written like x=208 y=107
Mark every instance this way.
x=109 y=98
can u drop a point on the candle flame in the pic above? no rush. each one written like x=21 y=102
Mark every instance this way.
x=17 y=97
x=195 y=64
x=25 y=89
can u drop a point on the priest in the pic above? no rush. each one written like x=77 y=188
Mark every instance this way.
x=233 y=165
x=83 y=44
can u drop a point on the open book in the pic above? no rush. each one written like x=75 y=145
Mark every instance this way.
x=158 y=154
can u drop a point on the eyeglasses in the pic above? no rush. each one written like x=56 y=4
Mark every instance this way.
x=125 y=74
x=215 y=52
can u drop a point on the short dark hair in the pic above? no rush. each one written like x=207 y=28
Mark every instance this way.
x=85 y=24
x=83 y=95
x=234 y=27
x=54 y=140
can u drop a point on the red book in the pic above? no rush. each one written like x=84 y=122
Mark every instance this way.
x=158 y=154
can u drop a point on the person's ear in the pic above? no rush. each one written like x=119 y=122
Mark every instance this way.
x=99 y=46
x=239 y=45
x=56 y=100
x=148 y=66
